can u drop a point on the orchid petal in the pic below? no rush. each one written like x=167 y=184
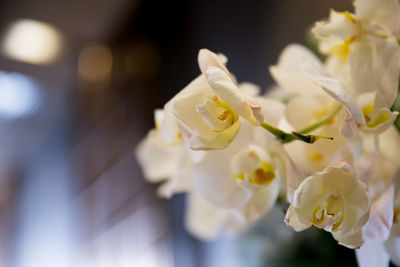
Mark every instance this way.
x=206 y=59
x=202 y=218
x=381 y=216
x=385 y=13
x=287 y=71
x=334 y=88
x=224 y=88
x=372 y=254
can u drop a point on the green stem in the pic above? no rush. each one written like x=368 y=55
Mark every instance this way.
x=318 y=124
x=301 y=135
x=285 y=137
x=281 y=135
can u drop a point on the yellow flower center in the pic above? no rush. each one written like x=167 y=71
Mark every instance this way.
x=381 y=118
x=329 y=214
x=261 y=173
x=217 y=114
x=342 y=50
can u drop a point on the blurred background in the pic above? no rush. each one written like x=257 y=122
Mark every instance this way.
x=79 y=81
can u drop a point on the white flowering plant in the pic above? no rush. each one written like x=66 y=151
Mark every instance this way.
x=326 y=138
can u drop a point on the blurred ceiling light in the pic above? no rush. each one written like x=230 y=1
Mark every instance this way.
x=95 y=63
x=32 y=42
x=19 y=95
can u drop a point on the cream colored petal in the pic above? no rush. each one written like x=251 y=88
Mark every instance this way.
x=381 y=216
x=381 y=121
x=385 y=13
x=340 y=69
x=203 y=219
x=224 y=88
x=273 y=110
x=293 y=220
x=375 y=68
x=157 y=159
x=339 y=25
x=389 y=143
x=206 y=59
x=214 y=180
x=183 y=107
x=362 y=69
x=304 y=111
x=317 y=156
x=392 y=246
x=261 y=202
x=248 y=159
x=334 y=88
x=290 y=173
x=196 y=156
x=356 y=146
x=215 y=140
x=387 y=68
x=181 y=181
x=158 y=117
x=349 y=127
x=168 y=127
x=372 y=254
x=287 y=71
x=353 y=241
x=213 y=177
x=308 y=195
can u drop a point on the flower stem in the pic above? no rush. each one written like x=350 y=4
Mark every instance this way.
x=281 y=135
x=301 y=135
x=318 y=124
x=285 y=137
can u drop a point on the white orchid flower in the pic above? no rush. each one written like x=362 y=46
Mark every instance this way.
x=209 y=107
x=371 y=19
x=245 y=176
x=236 y=185
x=333 y=200
x=366 y=48
x=308 y=106
x=383 y=229
x=371 y=117
x=165 y=162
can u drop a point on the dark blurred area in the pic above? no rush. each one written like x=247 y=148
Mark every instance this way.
x=79 y=81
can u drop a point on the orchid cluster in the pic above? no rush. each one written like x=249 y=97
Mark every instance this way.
x=323 y=138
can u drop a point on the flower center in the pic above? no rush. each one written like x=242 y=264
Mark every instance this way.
x=329 y=214
x=253 y=167
x=217 y=114
x=382 y=117
x=342 y=50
